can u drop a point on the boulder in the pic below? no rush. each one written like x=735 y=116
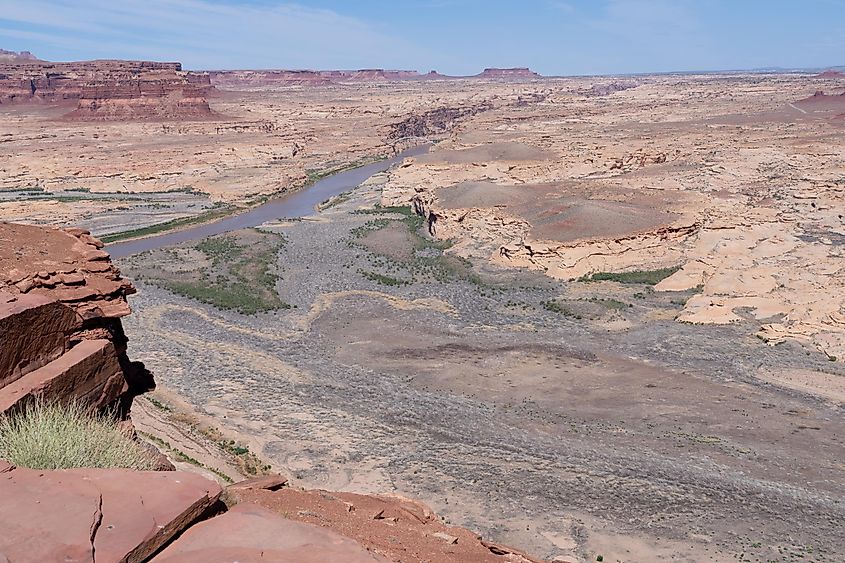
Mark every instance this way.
x=59 y=292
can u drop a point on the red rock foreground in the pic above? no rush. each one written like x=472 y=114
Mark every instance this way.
x=111 y=515
x=399 y=528
x=102 y=514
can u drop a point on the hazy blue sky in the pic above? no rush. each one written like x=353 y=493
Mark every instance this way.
x=452 y=36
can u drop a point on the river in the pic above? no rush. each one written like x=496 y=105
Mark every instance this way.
x=300 y=203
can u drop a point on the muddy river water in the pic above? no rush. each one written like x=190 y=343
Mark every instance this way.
x=296 y=204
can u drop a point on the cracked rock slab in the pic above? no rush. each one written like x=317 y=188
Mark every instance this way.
x=96 y=514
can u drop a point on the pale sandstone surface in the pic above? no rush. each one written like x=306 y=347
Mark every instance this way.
x=738 y=180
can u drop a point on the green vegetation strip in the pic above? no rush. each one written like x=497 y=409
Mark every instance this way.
x=207 y=217
x=647 y=277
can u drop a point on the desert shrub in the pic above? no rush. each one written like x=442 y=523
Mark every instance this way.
x=53 y=436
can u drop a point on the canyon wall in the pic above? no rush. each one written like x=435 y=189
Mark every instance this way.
x=109 y=90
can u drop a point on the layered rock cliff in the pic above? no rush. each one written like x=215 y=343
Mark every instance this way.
x=159 y=96
x=504 y=73
x=61 y=301
x=109 y=90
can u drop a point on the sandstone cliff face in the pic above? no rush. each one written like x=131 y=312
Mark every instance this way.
x=159 y=97
x=109 y=90
x=61 y=338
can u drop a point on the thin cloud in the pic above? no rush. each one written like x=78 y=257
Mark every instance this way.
x=206 y=34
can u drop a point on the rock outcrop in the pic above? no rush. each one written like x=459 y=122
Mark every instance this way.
x=109 y=90
x=601 y=90
x=434 y=122
x=508 y=73
x=61 y=301
x=14 y=57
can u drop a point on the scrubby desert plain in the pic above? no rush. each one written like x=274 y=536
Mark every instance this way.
x=600 y=317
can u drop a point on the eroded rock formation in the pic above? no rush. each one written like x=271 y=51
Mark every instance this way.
x=155 y=96
x=601 y=90
x=61 y=301
x=109 y=90
x=434 y=122
x=13 y=56
x=505 y=73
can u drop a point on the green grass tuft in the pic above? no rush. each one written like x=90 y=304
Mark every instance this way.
x=54 y=436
